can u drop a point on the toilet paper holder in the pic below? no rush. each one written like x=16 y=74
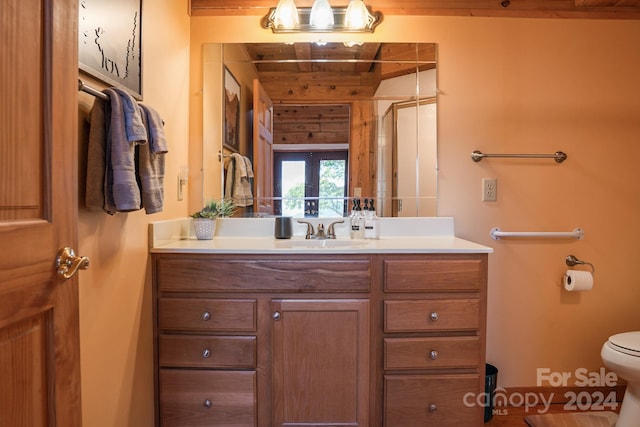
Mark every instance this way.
x=572 y=261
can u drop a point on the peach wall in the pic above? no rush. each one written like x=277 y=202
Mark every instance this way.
x=527 y=85
x=115 y=293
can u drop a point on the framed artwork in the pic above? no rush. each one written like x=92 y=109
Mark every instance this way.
x=231 y=111
x=110 y=42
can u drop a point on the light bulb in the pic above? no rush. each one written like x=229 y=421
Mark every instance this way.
x=321 y=14
x=286 y=15
x=357 y=16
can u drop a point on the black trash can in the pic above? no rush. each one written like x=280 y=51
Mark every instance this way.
x=490 y=383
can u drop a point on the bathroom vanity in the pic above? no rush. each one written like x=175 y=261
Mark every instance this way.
x=250 y=331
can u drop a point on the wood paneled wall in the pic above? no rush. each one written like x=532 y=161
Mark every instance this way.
x=575 y=9
x=350 y=123
x=311 y=124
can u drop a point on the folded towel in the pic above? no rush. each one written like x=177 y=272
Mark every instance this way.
x=240 y=183
x=122 y=193
x=96 y=151
x=248 y=167
x=155 y=130
x=228 y=178
x=133 y=121
x=151 y=162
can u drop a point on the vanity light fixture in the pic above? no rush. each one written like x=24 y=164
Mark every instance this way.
x=321 y=18
x=286 y=14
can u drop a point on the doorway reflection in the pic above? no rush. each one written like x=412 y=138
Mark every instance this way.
x=311 y=183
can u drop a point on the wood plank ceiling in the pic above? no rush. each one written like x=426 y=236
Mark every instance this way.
x=572 y=9
x=312 y=72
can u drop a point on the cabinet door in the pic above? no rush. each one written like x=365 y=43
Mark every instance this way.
x=321 y=362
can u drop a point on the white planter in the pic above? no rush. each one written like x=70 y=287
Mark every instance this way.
x=204 y=228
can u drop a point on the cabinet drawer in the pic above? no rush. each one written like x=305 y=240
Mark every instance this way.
x=431 y=315
x=193 y=273
x=432 y=275
x=207 y=398
x=431 y=352
x=207 y=352
x=207 y=314
x=432 y=400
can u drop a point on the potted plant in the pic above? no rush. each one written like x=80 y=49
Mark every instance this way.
x=204 y=220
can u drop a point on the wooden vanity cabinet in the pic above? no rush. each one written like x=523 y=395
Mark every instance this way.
x=434 y=340
x=320 y=362
x=318 y=340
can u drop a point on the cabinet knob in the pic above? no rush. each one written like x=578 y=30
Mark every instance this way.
x=433 y=407
x=207 y=403
x=206 y=316
x=433 y=316
x=433 y=355
x=276 y=315
x=206 y=353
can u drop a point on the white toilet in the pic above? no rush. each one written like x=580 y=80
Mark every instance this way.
x=621 y=354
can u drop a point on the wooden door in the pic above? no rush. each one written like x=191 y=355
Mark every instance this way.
x=262 y=149
x=320 y=363
x=39 y=345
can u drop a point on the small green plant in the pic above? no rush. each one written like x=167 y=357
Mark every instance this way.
x=215 y=208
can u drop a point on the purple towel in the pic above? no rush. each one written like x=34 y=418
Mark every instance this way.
x=122 y=193
x=151 y=162
x=96 y=161
x=133 y=120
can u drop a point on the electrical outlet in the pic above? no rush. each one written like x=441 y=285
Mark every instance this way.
x=489 y=189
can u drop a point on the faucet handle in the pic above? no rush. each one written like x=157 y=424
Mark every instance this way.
x=310 y=231
x=331 y=232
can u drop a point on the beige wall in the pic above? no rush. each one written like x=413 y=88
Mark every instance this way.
x=506 y=85
x=115 y=293
x=525 y=85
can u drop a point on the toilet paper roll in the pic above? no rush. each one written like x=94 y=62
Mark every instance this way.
x=576 y=280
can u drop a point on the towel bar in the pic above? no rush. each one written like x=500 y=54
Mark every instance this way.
x=558 y=156
x=88 y=89
x=577 y=233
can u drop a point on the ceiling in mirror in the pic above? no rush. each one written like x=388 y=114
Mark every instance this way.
x=335 y=69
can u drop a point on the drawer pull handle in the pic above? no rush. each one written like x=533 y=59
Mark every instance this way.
x=433 y=354
x=433 y=407
x=276 y=315
x=206 y=316
x=206 y=353
x=433 y=316
x=207 y=403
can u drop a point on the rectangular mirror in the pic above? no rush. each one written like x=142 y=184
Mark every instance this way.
x=321 y=125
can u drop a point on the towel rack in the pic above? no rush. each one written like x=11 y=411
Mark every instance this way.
x=82 y=86
x=558 y=156
x=222 y=156
x=577 y=233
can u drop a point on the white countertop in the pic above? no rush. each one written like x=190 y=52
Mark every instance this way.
x=255 y=236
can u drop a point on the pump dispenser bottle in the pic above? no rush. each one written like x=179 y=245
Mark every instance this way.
x=353 y=220
x=371 y=229
x=357 y=223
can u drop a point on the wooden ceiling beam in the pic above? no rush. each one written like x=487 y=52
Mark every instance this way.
x=303 y=53
x=368 y=53
x=568 y=9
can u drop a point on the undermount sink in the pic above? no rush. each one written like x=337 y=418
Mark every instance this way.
x=320 y=243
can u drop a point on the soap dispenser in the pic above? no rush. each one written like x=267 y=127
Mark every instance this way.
x=371 y=229
x=357 y=223
x=353 y=220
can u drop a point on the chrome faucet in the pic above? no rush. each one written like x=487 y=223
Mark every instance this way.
x=320 y=235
